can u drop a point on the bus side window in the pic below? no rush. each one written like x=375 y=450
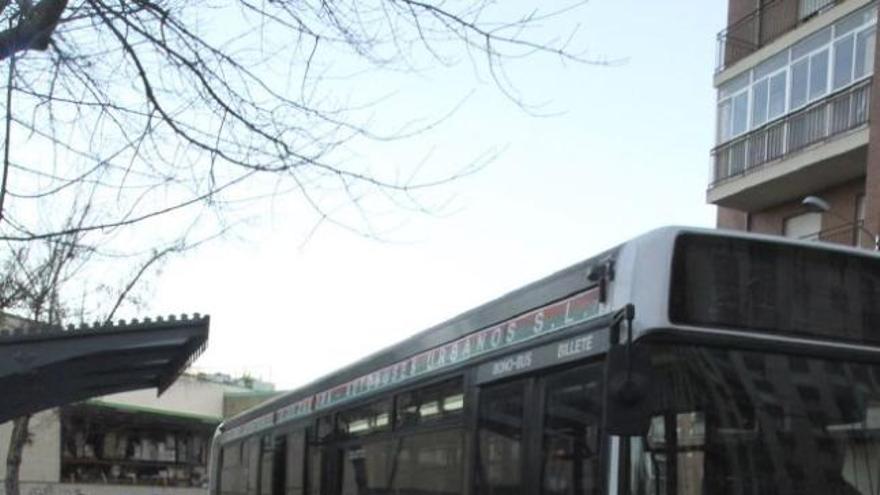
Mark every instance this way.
x=442 y=401
x=571 y=433
x=500 y=439
x=267 y=453
x=428 y=463
x=313 y=460
x=230 y=472
x=296 y=463
x=279 y=466
x=251 y=465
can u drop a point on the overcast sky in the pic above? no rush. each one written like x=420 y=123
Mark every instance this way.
x=627 y=150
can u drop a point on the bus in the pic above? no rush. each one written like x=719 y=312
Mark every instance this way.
x=684 y=361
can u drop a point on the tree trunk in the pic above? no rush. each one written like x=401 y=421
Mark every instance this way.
x=34 y=28
x=17 y=442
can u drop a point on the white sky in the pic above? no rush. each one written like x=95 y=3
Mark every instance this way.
x=630 y=153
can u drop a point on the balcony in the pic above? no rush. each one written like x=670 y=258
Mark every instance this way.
x=763 y=25
x=822 y=120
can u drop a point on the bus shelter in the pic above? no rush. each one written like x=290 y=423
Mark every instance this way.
x=44 y=366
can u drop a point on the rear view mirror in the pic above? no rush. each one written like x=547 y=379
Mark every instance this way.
x=628 y=391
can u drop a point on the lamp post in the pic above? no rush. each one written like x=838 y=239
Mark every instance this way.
x=819 y=205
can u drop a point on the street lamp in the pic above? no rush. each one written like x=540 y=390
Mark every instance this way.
x=819 y=205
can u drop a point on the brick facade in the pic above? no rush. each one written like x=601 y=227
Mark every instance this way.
x=872 y=179
x=841 y=224
x=737 y=9
x=842 y=198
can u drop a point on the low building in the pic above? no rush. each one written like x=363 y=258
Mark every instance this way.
x=132 y=442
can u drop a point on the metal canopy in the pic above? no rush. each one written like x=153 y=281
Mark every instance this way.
x=47 y=366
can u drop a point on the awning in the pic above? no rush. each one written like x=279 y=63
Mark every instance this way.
x=137 y=415
x=43 y=366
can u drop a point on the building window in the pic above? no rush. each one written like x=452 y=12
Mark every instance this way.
x=799 y=72
x=733 y=108
x=768 y=98
x=733 y=116
x=811 y=58
x=818 y=74
x=864 y=64
x=776 y=105
x=805 y=226
x=768 y=91
x=843 y=61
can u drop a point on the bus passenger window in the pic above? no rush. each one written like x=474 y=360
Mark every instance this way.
x=325 y=429
x=230 y=474
x=571 y=432
x=296 y=462
x=313 y=470
x=436 y=402
x=428 y=463
x=499 y=468
x=267 y=451
x=252 y=462
x=365 y=469
x=366 y=419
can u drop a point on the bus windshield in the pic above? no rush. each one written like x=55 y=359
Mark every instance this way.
x=739 y=422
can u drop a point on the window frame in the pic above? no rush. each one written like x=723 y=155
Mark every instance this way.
x=806 y=237
x=767 y=80
x=534 y=416
x=443 y=420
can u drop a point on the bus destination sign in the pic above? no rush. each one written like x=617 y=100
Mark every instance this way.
x=577 y=347
x=531 y=325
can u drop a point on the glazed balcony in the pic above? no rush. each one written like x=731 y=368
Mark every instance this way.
x=763 y=25
x=824 y=141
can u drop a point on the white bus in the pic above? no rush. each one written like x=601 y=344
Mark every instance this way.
x=684 y=361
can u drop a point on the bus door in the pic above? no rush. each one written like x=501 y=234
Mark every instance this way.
x=501 y=438
x=569 y=429
x=273 y=459
x=541 y=434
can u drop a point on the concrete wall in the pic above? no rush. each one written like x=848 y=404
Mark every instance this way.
x=237 y=403
x=188 y=395
x=41 y=459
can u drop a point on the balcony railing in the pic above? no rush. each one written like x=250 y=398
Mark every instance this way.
x=826 y=118
x=763 y=25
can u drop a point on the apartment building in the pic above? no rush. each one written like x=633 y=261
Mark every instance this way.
x=797 y=106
